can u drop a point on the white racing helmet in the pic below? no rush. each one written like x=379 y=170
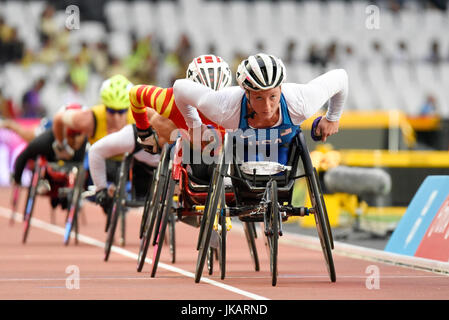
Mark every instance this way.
x=211 y=71
x=260 y=72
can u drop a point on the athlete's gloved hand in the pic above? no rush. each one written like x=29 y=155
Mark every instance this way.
x=103 y=199
x=149 y=140
x=315 y=136
x=62 y=150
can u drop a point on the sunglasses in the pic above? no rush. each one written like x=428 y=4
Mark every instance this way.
x=114 y=111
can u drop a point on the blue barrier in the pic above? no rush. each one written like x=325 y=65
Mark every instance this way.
x=419 y=215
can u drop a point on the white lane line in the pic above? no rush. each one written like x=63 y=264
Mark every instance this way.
x=6 y=213
x=362 y=253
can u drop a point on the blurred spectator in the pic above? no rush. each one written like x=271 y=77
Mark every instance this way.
x=331 y=56
x=212 y=49
x=429 y=107
x=238 y=57
x=70 y=93
x=12 y=48
x=314 y=57
x=260 y=46
x=48 y=27
x=6 y=107
x=184 y=51
x=402 y=54
x=84 y=56
x=100 y=58
x=379 y=54
x=5 y=35
x=348 y=53
x=49 y=54
x=434 y=55
x=31 y=101
x=290 y=52
x=79 y=73
x=116 y=66
x=179 y=60
x=395 y=5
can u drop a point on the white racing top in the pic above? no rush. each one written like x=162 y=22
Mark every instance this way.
x=223 y=107
x=112 y=145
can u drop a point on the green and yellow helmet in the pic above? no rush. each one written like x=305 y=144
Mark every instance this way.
x=115 y=92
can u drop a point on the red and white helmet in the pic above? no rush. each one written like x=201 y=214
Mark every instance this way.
x=211 y=71
x=261 y=72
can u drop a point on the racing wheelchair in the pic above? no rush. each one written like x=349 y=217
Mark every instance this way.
x=164 y=208
x=60 y=176
x=263 y=193
x=124 y=197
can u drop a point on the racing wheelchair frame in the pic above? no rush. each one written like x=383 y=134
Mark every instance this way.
x=267 y=199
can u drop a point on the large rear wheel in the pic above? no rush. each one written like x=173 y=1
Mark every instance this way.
x=153 y=207
x=167 y=210
x=216 y=190
x=31 y=199
x=117 y=207
x=321 y=223
x=272 y=229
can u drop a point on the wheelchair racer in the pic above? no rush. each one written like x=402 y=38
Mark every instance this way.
x=44 y=145
x=107 y=147
x=97 y=122
x=209 y=70
x=263 y=101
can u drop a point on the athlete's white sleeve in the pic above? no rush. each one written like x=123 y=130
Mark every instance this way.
x=107 y=147
x=114 y=144
x=304 y=100
x=221 y=107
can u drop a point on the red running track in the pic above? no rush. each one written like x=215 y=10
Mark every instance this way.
x=41 y=269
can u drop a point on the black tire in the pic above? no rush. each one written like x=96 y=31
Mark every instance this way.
x=166 y=212
x=319 y=209
x=117 y=207
x=14 y=201
x=222 y=234
x=153 y=207
x=210 y=260
x=210 y=211
x=202 y=224
x=31 y=199
x=321 y=224
x=74 y=207
x=272 y=220
x=146 y=207
x=250 y=234
x=172 y=238
x=329 y=229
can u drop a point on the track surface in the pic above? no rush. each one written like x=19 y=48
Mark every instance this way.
x=43 y=268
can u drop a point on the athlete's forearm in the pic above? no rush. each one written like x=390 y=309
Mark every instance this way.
x=108 y=147
x=189 y=94
x=332 y=86
x=58 y=127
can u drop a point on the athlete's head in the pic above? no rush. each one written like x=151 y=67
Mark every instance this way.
x=115 y=96
x=261 y=76
x=211 y=71
x=260 y=72
x=115 y=93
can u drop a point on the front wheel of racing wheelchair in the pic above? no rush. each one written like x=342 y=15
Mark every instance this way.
x=268 y=199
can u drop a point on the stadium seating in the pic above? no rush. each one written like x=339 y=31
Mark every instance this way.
x=377 y=81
